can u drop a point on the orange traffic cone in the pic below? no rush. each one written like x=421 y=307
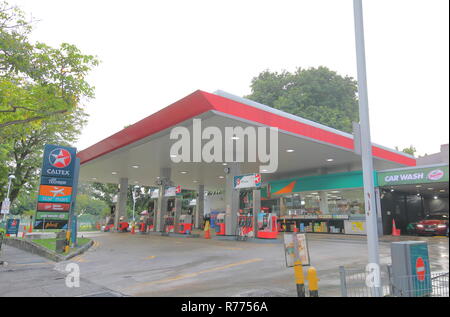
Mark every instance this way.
x=207 y=233
x=395 y=231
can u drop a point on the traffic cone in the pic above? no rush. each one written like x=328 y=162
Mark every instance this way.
x=395 y=231
x=207 y=233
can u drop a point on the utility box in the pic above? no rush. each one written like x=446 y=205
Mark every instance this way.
x=60 y=241
x=411 y=274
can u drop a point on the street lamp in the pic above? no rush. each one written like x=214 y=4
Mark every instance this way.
x=10 y=178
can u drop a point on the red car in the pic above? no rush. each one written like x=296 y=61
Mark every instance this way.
x=433 y=224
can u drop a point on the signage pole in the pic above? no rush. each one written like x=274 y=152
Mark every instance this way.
x=72 y=223
x=366 y=145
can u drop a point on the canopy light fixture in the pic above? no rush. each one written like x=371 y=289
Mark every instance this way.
x=330 y=160
x=290 y=150
x=135 y=166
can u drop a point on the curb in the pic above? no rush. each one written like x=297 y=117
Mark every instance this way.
x=34 y=248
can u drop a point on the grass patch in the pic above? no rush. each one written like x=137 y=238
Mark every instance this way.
x=51 y=243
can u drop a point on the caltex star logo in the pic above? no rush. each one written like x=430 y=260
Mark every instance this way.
x=60 y=158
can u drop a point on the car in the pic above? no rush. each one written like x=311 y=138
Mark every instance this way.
x=433 y=224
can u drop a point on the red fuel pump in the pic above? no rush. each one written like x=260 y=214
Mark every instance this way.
x=267 y=226
x=185 y=224
x=220 y=224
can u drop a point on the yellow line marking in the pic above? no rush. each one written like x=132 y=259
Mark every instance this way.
x=189 y=275
x=150 y=257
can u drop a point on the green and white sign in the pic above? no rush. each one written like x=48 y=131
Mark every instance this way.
x=51 y=215
x=436 y=174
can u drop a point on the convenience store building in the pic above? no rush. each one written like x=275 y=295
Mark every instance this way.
x=319 y=171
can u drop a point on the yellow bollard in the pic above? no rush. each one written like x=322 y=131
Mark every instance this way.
x=313 y=282
x=299 y=278
x=67 y=247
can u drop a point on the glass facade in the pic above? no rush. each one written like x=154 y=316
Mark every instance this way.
x=336 y=202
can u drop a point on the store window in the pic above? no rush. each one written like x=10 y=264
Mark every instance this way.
x=338 y=202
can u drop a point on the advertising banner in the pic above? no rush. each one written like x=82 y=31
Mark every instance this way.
x=170 y=192
x=354 y=227
x=56 y=181
x=52 y=215
x=289 y=248
x=12 y=226
x=50 y=224
x=414 y=176
x=5 y=206
x=247 y=181
x=55 y=194
x=53 y=207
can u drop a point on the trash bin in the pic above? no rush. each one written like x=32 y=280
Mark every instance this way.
x=60 y=241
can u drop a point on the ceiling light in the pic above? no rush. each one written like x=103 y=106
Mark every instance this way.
x=221 y=177
x=94 y=178
x=435 y=197
x=392 y=190
x=418 y=194
x=135 y=166
x=235 y=138
x=418 y=186
x=330 y=160
x=114 y=173
x=334 y=191
x=430 y=188
x=195 y=181
x=290 y=150
x=263 y=170
x=183 y=172
x=224 y=164
x=442 y=190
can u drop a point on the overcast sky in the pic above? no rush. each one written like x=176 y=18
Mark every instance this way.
x=156 y=52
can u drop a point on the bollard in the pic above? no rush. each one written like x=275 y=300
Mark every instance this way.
x=66 y=248
x=313 y=282
x=299 y=279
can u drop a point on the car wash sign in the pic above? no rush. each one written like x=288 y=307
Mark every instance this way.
x=247 y=181
x=436 y=174
x=56 y=186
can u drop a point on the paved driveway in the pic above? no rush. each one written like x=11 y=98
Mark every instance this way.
x=152 y=265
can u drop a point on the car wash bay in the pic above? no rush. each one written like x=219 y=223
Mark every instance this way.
x=409 y=195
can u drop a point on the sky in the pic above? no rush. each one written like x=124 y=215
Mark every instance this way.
x=155 y=52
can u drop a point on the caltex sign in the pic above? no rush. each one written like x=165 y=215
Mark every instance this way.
x=247 y=181
x=55 y=190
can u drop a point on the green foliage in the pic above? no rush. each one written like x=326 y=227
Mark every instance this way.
x=42 y=90
x=88 y=205
x=317 y=94
x=411 y=150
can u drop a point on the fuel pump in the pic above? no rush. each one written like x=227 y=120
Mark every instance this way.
x=185 y=224
x=267 y=224
x=220 y=224
x=169 y=218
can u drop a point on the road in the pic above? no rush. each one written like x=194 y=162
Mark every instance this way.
x=121 y=264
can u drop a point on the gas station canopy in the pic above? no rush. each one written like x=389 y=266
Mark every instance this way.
x=139 y=151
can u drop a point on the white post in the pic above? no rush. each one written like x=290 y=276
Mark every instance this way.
x=366 y=146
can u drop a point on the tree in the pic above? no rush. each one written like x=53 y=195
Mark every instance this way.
x=411 y=150
x=317 y=94
x=37 y=81
x=42 y=91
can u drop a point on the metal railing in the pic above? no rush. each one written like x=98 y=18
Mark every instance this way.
x=353 y=284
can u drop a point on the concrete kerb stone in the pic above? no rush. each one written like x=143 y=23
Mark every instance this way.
x=32 y=247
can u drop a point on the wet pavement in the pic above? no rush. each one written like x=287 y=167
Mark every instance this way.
x=152 y=265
